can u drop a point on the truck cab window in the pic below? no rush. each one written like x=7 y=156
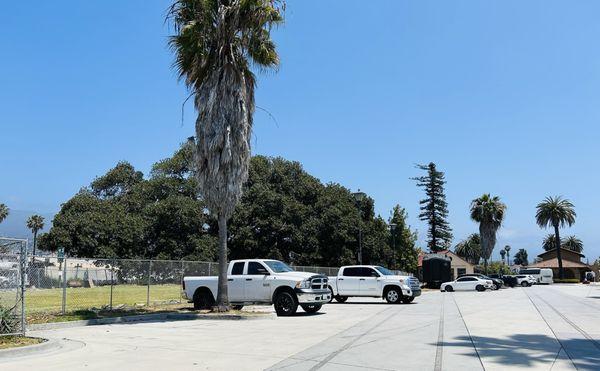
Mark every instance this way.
x=256 y=268
x=238 y=269
x=352 y=272
x=369 y=272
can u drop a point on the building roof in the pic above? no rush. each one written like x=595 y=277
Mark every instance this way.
x=553 y=263
x=561 y=249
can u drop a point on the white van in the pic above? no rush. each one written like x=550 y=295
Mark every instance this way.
x=542 y=275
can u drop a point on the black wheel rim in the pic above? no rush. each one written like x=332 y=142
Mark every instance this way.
x=285 y=303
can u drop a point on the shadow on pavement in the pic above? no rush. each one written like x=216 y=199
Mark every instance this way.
x=527 y=350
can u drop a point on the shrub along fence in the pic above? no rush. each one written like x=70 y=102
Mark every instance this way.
x=12 y=286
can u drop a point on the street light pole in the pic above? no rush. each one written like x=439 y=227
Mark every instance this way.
x=393 y=231
x=358 y=197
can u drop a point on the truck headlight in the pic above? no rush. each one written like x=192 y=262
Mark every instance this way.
x=305 y=284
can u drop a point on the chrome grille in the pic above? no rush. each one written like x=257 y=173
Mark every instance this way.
x=414 y=283
x=318 y=283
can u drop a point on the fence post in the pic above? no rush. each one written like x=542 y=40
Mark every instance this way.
x=148 y=290
x=112 y=268
x=181 y=283
x=209 y=268
x=64 y=286
x=23 y=277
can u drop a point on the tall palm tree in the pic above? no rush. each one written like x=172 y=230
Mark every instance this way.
x=4 y=211
x=556 y=212
x=489 y=212
x=503 y=255
x=469 y=248
x=35 y=223
x=507 y=249
x=573 y=243
x=215 y=44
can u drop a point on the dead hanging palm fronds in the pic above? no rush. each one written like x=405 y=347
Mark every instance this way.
x=215 y=45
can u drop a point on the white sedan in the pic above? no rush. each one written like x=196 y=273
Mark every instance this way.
x=468 y=283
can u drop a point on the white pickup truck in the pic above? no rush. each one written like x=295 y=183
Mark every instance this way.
x=262 y=281
x=373 y=281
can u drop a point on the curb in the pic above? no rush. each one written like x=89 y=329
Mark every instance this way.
x=43 y=347
x=144 y=318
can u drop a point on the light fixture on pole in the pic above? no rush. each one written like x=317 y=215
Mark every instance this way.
x=359 y=197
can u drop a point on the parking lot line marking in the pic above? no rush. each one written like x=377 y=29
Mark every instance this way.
x=562 y=347
x=439 y=350
x=468 y=332
x=349 y=344
x=571 y=323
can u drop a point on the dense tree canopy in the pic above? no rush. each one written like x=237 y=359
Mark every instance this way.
x=284 y=213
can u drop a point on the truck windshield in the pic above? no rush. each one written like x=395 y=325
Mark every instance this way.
x=385 y=271
x=278 y=267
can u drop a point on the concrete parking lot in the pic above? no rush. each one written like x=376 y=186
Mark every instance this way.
x=539 y=328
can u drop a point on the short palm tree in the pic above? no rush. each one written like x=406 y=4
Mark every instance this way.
x=507 y=249
x=35 y=223
x=469 y=249
x=549 y=242
x=215 y=44
x=503 y=256
x=573 y=243
x=489 y=212
x=556 y=212
x=4 y=211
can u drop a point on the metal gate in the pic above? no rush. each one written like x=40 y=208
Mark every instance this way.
x=13 y=261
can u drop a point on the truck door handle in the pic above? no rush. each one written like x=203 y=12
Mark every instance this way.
x=341 y=279
x=248 y=279
x=230 y=279
x=362 y=279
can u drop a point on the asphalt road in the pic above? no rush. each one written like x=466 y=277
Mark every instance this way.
x=539 y=328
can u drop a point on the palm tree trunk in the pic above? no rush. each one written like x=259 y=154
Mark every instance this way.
x=34 y=242
x=222 y=304
x=485 y=265
x=558 y=252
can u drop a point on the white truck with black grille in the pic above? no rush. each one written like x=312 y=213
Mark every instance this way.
x=262 y=281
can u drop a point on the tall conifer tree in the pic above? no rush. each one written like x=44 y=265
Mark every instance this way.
x=434 y=208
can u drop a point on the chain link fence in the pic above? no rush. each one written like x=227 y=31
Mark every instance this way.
x=50 y=285
x=63 y=285
x=12 y=286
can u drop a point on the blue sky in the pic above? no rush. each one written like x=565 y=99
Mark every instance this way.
x=503 y=96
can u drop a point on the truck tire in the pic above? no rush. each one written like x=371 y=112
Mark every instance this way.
x=330 y=293
x=285 y=304
x=341 y=299
x=393 y=295
x=203 y=299
x=524 y=283
x=311 y=308
x=408 y=299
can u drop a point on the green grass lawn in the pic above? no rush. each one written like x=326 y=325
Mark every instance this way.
x=50 y=300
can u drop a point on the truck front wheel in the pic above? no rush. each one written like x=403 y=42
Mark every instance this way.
x=285 y=304
x=341 y=299
x=393 y=295
x=311 y=308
